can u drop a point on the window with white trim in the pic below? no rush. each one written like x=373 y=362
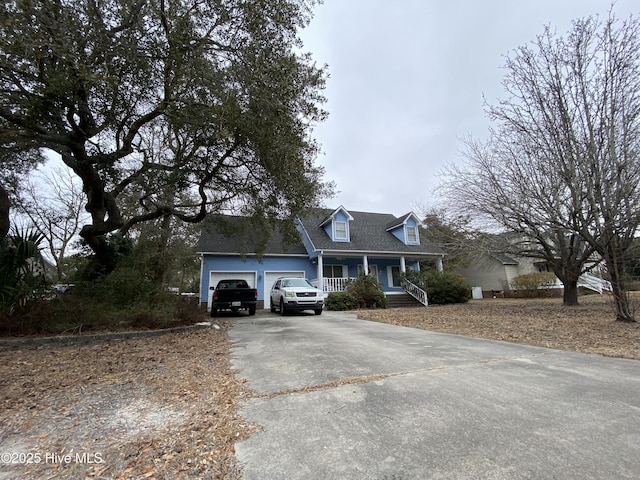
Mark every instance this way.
x=332 y=271
x=412 y=234
x=341 y=230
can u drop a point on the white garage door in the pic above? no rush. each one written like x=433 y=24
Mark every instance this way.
x=216 y=276
x=270 y=278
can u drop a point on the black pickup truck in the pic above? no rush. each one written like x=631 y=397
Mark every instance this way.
x=234 y=295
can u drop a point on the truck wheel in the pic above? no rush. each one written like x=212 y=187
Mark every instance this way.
x=318 y=311
x=252 y=310
x=214 y=312
x=282 y=310
x=272 y=307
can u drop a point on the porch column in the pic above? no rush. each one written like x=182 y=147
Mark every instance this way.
x=320 y=270
x=403 y=265
x=365 y=265
x=439 y=264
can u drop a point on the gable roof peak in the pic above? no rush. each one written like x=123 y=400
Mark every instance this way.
x=401 y=220
x=333 y=214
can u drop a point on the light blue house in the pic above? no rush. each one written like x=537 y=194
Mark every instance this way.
x=334 y=246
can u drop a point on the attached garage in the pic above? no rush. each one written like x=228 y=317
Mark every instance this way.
x=261 y=252
x=271 y=277
x=216 y=276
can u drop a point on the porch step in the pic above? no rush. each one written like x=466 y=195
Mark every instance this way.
x=403 y=300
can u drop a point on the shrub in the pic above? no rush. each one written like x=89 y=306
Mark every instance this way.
x=366 y=292
x=340 y=301
x=81 y=311
x=131 y=282
x=187 y=309
x=447 y=287
x=127 y=298
x=631 y=284
x=532 y=281
x=22 y=278
x=441 y=287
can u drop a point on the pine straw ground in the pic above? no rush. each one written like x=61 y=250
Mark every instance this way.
x=166 y=407
x=162 y=407
x=589 y=327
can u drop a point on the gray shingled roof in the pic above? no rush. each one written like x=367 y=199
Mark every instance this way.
x=231 y=234
x=368 y=233
x=396 y=222
x=504 y=258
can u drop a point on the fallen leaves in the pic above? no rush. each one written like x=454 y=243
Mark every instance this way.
x=155 y=407
x=589 y=327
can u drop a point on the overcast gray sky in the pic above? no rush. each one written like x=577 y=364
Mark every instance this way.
x=407 y=79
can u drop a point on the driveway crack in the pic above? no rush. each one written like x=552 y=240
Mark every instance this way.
x=361 y=379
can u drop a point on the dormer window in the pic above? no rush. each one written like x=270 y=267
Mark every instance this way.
x=412 y=234
x=337 y=225
x=406 y=229
x=341 y=230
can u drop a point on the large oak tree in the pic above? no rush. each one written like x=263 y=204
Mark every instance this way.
x=193 y=106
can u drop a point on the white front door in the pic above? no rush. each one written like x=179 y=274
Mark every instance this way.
x=393 y=275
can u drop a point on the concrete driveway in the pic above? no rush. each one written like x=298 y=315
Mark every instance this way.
x=342 y=398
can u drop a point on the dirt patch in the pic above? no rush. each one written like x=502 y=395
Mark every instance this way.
x=161 y=407
x=589 y=327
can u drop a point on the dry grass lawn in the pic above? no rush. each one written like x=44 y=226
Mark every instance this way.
x=589 y=327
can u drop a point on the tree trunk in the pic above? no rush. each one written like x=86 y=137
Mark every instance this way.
x=105 y=214
x=160 y=261
x=623 y=311
x=4 y=212
x=620 y=295
x=105 y=260
x=568 y=273
x=570 y=295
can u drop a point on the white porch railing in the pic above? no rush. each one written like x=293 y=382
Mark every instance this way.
x=331 y=284
x=335 y=284
x=415 y=291
x=594 y=283
x=340 y=284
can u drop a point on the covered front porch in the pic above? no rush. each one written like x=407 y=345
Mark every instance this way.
x=335 y=271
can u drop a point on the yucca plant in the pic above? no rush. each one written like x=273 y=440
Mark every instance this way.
x=21 y=269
